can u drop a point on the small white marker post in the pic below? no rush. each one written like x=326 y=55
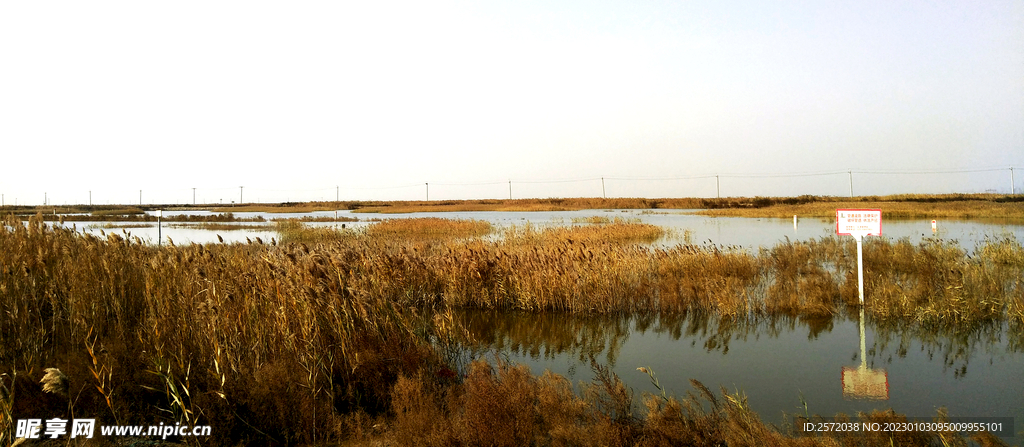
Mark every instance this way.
x=859 y=223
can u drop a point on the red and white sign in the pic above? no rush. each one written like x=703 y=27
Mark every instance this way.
x=859 y=222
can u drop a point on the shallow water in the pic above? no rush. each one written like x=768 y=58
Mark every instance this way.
x=685 y=227
x=774 y=362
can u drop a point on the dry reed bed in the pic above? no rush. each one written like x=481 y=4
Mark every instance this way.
x=902 y=205
x=138 y=215
x=428 y=228
x=599 y=268
x=236 y=335
x=304 y=342
x=961 y=209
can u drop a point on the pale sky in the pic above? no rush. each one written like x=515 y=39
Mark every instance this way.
x=371 y=100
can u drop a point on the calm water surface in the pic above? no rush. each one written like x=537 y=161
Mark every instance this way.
x=774 y=362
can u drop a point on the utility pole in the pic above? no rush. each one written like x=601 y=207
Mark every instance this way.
x=718 y=182
x=193 y=196
x=603 y=195
x=240 y=195
x=140 y=197
x=851 y=183
x=336 y=194
x=44 y=198
x=90 y=198
x=1011 y=181
x=159 y=228
x=510 y=189
x=428 y=190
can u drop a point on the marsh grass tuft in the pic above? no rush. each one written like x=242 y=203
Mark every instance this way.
x=54 y=381
x=293 y=230
x=428 y=228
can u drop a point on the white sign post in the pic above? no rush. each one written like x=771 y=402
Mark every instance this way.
x=859 y=223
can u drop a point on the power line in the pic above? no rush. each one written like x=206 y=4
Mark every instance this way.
x=719 y=179
x=951 y=171
x=592 y=179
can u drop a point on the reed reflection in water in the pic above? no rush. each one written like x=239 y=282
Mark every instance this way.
x=778 y=362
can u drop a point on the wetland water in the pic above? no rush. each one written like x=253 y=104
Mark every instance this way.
x=774 y=362
x=749 y=233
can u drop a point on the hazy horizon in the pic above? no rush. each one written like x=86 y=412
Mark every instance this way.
x=318 y=100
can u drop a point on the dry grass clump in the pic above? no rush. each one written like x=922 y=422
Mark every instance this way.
x=55 y=382
x=428 y=228
x=591 y=220
x=805 y=278
x=936 y=282
x=707 y=278
x=601 y=231
x=293 y=230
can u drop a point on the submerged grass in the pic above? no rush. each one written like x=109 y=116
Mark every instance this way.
x=331 y=333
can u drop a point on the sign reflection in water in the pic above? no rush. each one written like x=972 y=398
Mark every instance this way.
x=861 y=382
x=778 y=363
